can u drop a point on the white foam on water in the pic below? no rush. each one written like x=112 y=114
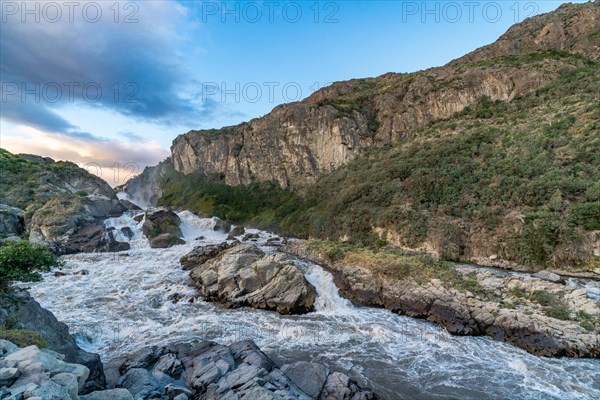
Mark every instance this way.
x=142 y=297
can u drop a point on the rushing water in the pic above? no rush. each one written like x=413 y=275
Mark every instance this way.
x=117 y=303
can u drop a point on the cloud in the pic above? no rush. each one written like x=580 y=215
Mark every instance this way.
x=40 y=117
x=113 y=160
x=135 y=69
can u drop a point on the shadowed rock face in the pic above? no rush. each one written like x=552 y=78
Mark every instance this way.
x=297 y=142
x=11 y=221
x=161 y=227
x=144 y=189
x=246 y=276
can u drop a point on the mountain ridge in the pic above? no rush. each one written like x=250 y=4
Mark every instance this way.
x=297 y=142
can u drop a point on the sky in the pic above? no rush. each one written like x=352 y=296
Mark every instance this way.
x=109 y=84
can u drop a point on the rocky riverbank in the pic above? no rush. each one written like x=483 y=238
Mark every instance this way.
x=542 y=317
x=203 y=370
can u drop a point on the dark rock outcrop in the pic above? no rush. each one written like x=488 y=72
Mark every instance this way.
x=245 y=276
x=63 y=216
x=95 y=238
x=161 y=221
x=161 y=227
x=12 y=221
x=235 y=232
x=165 y=240
x=129 y=205
x=208 y=370
x=22 y=312
x=145 y=189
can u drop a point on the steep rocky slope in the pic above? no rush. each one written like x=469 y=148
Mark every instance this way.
x=297 y=142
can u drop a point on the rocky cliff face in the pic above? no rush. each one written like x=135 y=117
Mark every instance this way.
x=571 y=28
x=297 y=142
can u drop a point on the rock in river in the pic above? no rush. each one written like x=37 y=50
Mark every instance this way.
x=161 y=227
x=245 y=276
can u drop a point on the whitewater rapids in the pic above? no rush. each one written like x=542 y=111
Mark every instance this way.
x=116 y=303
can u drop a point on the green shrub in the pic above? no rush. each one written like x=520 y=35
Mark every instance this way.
x=586 y=215
x=23 y=337
x=471 y=284
x=587 y=321
x=518 y=292
x=21 y=261
x=552 y=304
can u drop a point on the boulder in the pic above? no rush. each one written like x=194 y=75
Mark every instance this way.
x=51 y=391
x=141 y=384
x=12 y=222
x=161 y=221
x=7 y=347
x=340 y=386
x=309 y=377
x=96 y=238
x=8 y=376
x=250 y=236
x=144 y=358
x=165 y=240
x=69 y=382
x=235 y=232
x=245 y=276
x=129 y=205
x=127 y=232
x=221 y=226
x=549 y=276
x=168 y=364
x=59 y=218
x=61 y=249
x=202 y=254
x=64 y=215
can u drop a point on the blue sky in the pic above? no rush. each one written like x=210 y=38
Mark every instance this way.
x=104 y=83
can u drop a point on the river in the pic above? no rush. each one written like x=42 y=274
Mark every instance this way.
x=116 y=303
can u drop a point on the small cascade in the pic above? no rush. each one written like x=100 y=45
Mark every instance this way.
x=328 y=300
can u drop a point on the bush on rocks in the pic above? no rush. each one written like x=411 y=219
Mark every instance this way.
x=21 y=261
